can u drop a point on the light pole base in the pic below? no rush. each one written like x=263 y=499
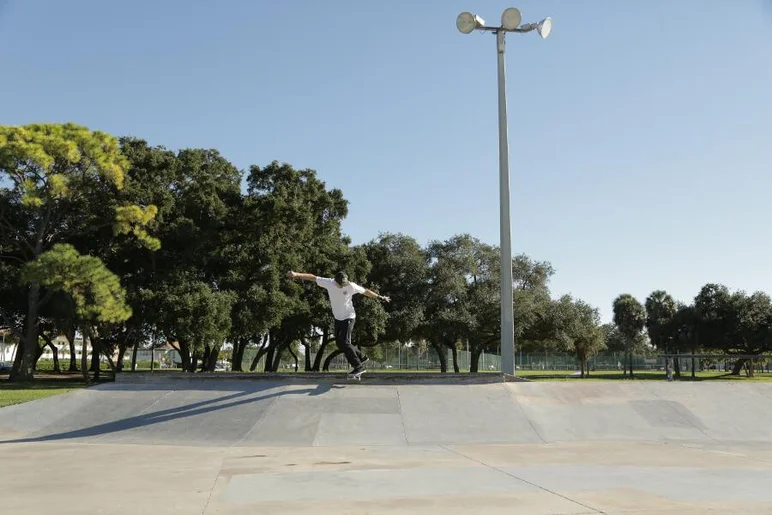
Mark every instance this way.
x=509 y=378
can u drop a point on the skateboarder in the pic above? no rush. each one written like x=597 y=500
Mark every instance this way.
x=341 y=292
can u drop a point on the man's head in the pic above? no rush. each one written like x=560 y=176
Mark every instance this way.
x=342 y=279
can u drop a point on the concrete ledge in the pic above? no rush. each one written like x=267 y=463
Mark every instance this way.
x=314 y=377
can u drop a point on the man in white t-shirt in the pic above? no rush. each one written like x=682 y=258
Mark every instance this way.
x=341 y=292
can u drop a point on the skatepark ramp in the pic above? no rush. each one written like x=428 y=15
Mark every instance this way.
x=318 y=412
x=386 y=445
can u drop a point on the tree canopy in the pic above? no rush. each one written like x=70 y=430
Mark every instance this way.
x=131 y=244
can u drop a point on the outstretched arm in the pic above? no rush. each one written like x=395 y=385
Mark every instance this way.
x=373 y=295
x=304 y=277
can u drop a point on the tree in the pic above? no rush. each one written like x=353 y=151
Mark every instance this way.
x=630 y=318
x=463 y=297
x=484 y=302
x=730 y=322
x=152 y=178
x=194 y=317
x=13 y=300
x=750 y=328
x=616 y=342
x=577 y=329
x=612 y=338
x=95 y=291
x=197 y=192
x=534 y=327
x=54 y=174
x=400 y=270
x=58 y=317
x=713 y=306
x=448 y=317
x=683 y=333
x=660 y=310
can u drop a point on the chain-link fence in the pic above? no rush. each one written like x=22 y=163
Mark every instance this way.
x=408 y=358
x=418 y=358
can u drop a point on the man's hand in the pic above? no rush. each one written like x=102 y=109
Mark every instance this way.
x=298 y=275
x=371 y=293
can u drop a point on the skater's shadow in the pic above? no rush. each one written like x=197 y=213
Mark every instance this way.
x=323 y=388
x=242 y=398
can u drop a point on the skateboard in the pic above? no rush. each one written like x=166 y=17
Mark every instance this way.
x=357 y=376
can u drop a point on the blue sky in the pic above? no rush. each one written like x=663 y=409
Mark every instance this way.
x=638 y=131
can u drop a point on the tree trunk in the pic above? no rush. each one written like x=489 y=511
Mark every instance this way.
x=238 y=354
x=295 y=357
x=320 y=352
x=307 y=354
x=270 y=354
x=211 y=362
x=122 y=348
x=277 y=357
x=84 y=355
x=454 y=354
x=38 y=354
x=442 y=357
x=54 y=350
x=677 y=367
x=119 y=360
x=624 y=364
x=193 y=362
x=94 y=366
x=475 y=360
x=134 y=356
x=693 y=371
x=738 y=366
x=22 y=368
x=73 y=357
x=260 y=353
x=95 y=353
x=184 y=350
x=111 y=364
x=205 y=357
x=631 y=364
x=333 y=355
x=269 y=357
x=18 y=355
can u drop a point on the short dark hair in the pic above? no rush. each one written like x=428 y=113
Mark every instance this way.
x=341 y=278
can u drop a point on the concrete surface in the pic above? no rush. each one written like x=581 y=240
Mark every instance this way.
x=326 y=446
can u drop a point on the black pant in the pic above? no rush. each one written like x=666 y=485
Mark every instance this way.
x=343 y=329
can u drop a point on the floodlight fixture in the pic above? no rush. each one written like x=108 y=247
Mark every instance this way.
x=511 y=18
x=545 y=27
x=466 y=22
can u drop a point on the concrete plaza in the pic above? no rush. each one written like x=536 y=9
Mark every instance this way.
x=173 y=446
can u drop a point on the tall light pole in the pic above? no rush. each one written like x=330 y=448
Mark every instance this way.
x=466 y=23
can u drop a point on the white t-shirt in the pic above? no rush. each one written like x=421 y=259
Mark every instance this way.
x=340 y=298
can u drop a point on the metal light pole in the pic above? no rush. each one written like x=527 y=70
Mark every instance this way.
x=466 y=23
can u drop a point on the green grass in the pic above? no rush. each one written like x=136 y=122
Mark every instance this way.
x=39 y=388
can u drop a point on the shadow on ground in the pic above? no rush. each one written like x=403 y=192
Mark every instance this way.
x=242 y=397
